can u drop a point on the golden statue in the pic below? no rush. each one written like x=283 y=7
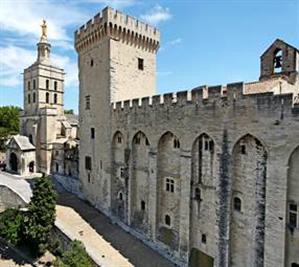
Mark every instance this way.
x=44 y=30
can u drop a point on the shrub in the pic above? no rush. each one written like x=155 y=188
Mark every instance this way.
x=40 y=218
x=75 y=256
x=11 y=222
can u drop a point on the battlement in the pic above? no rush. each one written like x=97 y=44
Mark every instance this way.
x=114 y=24
x=206 y=96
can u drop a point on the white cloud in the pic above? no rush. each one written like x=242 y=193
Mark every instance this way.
x=24 y=18
x=156 y=15
x=170 y=43
x=14 y=59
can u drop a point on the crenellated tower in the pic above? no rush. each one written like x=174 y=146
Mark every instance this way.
x=117 y=61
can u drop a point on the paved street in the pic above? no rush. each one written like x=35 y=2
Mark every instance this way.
x=107 y=243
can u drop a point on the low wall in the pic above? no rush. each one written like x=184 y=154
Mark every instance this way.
x=9 y=199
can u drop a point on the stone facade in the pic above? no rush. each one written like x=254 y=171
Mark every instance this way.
x=44 y=127
x=207 y=177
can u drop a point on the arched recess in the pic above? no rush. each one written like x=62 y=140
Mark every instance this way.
x=140 y=181
x=247 y=224
x=203 y=200
x=14 y=162
x=119 y=183
x=292 y=216
x=169 y=188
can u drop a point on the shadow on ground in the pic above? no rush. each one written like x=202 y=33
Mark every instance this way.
x=6 y=253
x=129 y=246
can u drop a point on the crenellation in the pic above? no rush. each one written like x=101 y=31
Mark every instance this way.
x=114 y=24
x=179 y=158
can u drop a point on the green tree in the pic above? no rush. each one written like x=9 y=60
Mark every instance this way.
x=40 y=218
x=9 y=123
x=68 y=111
x=75 y=256
x=11 y=221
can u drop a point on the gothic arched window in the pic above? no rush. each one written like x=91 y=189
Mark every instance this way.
x=33 y=98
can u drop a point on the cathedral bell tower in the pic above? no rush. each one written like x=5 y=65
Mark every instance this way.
x=43 y=102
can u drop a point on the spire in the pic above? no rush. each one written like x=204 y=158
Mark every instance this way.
x=43 y=47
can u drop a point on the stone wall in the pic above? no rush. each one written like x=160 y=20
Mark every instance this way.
x=264 y=125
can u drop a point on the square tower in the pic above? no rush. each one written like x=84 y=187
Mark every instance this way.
x=117 y=61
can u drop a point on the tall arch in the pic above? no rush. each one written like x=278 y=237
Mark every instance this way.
x=249 y=171
x=140 y=181
x=119 y=185
x=203 y=170
x=292 y=216
x=169 y=188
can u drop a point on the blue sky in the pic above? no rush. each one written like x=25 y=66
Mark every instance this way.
x=202 y=42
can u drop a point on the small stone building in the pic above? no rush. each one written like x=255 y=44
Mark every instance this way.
x=20 y=155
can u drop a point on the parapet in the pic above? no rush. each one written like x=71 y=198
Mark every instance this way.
x=210 y=97
x=118 y=26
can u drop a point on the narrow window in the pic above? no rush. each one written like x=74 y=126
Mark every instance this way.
x=92 y=133
x=55 y=98
x=120 y=196
x=167 y=220
x=47 y=97
x=243 y=149
x=47 y=84
x=28 y=85
x=197 y=194
x=295 y=264
x=87 y=102
x=88 y=163
x=91 y=63
x=146 y=142
x=176 y=143
x=33 y=98
x=88 y=177
x=55 y=85
x=119 y=139
x=142 y=205
x=140 y=63
x=293 y=215
x=206 y=145
x=169 y=185
x=29 y=99
x=203 y=238
x=56 y=167
x=237 y=204
x=34 y=84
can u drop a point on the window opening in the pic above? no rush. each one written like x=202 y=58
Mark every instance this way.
x=167 y=220
x=140 y=63
x=237 y=204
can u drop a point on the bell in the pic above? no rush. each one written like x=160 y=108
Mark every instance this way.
x=277 y=62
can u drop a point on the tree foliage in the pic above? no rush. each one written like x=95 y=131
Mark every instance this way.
x=40 y=218
x=68 y=111
x=11 y=222
x=9 y=123
x=75 y=256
